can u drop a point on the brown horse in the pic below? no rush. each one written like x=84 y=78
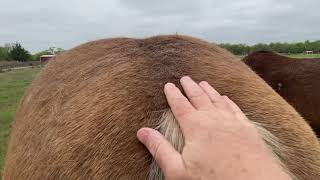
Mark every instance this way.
x=296 y=80
x=79 y=118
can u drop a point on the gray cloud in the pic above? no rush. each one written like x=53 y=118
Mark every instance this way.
x=40 y=24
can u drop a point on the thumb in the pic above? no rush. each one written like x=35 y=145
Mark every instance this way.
x=169 y=160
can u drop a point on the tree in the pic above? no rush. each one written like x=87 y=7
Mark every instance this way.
x=260 y=47
x=55 y=50
x=36 y=57
x=238 y=49
x=4 y=54
x=18 y=53
x=288 y=48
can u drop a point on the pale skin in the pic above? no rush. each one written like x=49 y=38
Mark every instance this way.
x=220 y=142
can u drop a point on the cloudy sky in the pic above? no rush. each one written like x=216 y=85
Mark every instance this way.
x=39 y=24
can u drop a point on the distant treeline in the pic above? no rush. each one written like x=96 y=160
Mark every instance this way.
x=15 y=52
x=288 y=48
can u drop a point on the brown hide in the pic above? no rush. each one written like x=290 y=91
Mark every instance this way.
x=296 y=80
x=79 y=118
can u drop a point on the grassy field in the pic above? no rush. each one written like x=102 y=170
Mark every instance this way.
x=304 y=55
x=299 y=56
x=12 y=86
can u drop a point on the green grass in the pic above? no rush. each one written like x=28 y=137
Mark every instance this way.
x=299 y=56
x=304 y=55
x=12 y=87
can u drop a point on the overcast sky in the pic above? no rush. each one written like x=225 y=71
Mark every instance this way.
x=39 y=24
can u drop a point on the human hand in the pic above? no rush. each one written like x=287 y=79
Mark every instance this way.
x=220 y=142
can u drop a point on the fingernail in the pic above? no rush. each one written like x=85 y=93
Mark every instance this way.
x=143 y=134
x=203 y=83
x=185 y=78
x=169 y=86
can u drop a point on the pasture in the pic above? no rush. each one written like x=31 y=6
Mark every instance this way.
x=304 y=56
x=298 y=56
x=12 y=86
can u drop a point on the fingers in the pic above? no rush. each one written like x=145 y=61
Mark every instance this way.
x=235 y=108
x=195 y=93
x=217 y=100
x=162 y=151
x=210 y=91
x=178 y=103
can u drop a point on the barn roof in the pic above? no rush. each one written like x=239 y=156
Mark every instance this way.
x=49 y=55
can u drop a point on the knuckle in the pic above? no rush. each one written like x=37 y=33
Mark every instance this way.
x=154 y=148
x=180 y=106
x=222 y=101
x=154 y=145
x=196 y=94
x=156 y=153
x=181 y=112
x=179 y=100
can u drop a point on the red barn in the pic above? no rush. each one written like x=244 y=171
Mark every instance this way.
x=45 y=58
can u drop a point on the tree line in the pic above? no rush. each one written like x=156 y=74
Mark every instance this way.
x=287 y=48
x=15 y=52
